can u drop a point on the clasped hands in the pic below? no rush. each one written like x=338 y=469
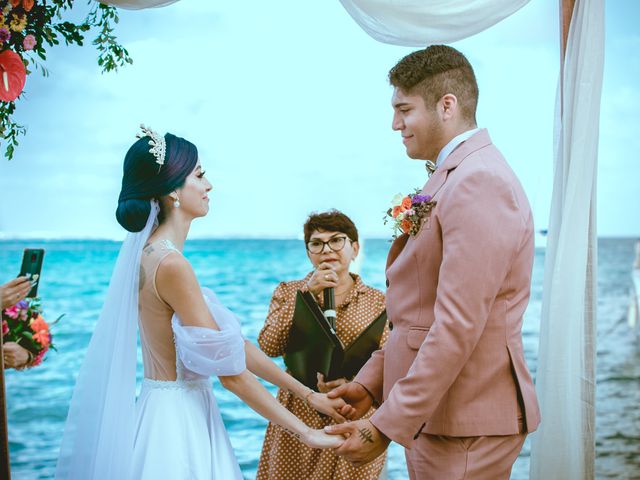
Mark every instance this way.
x=364 y=442
x=360 y=441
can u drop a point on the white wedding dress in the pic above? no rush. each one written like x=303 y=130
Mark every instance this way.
x=179 y=431
x=174 y=430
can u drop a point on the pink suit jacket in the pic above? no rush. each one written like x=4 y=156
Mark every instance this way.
x=456 y=294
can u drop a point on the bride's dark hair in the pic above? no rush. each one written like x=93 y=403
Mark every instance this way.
x=141 y=180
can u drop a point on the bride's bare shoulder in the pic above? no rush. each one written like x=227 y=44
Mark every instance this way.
x=175 y=269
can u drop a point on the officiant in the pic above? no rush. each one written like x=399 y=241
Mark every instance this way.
x=331 y=241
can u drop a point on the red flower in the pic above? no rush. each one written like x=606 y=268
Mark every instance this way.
x=405 y=225
x=12 y=74
x=27 y=5
x=406 y=203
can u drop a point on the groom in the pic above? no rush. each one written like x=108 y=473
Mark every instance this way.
x=451 y=381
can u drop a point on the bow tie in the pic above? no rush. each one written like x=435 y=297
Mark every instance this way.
x=430 y=166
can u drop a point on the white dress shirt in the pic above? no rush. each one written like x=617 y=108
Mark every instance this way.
x=455 y=141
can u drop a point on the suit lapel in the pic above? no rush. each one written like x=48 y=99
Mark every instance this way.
x=462 y=151
x=437 y=180
x=396 y=247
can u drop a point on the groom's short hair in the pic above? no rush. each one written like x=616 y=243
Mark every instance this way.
x=435 y=71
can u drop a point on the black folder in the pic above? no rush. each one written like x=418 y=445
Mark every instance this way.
x=314 y=347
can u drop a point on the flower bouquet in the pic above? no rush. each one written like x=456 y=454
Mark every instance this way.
x=406 y=212
x=24 y=324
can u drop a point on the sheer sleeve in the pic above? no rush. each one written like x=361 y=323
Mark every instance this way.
x=206 y=351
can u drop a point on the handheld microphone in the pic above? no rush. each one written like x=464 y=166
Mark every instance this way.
x=330 y=307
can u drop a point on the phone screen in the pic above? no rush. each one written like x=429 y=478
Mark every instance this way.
x=32 y=266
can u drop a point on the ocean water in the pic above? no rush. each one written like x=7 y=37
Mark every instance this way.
x=244 y=273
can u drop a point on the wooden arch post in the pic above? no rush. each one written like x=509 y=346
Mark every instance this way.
x=5 y=469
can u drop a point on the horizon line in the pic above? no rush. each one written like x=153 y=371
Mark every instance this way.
x=63 y=238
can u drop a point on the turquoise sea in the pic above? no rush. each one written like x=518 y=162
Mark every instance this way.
x=244 y=273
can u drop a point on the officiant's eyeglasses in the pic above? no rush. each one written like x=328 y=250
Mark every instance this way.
x=335 y=244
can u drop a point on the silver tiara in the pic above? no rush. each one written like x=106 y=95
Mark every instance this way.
x=157 y=143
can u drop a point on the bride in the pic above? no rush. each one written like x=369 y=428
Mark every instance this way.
x=174 y=430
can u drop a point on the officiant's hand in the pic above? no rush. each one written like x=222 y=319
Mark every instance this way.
x=323 y=277
x=358 y=399
x=364 y=441
x=325 y=387
x=326 y=405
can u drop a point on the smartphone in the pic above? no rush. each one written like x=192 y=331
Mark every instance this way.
x=32 y=266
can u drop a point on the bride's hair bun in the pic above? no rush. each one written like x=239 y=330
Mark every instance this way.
x=132 y=214
x=143 y=178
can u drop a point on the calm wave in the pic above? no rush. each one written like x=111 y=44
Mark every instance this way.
x=244 y=273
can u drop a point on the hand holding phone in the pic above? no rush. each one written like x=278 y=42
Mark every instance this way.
x=31 y=267
x=13 y=291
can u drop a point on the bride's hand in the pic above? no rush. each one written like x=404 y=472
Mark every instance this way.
x=318 y=439
x=326 y=405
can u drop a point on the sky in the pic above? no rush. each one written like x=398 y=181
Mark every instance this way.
x=289 y=105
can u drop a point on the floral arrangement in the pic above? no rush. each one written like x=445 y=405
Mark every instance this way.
x=24 y=324
x=27 y=29
x=407 y=211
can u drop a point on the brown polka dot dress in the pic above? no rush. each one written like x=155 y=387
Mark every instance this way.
x=283 y=457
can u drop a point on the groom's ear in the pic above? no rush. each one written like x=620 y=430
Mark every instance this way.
x=448 y=106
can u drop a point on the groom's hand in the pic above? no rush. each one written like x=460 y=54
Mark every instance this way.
x=357 y=397
x=364 y=442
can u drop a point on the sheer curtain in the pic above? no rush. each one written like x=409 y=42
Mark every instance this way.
x=564 y=446
x=419 y=23
x=405 y=22
x=99 y=432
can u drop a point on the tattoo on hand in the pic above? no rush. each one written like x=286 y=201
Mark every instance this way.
x=365 y=435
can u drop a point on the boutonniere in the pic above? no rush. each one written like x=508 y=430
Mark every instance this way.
x=406 y=212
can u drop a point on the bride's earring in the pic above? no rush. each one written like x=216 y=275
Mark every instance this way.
x=176 y=202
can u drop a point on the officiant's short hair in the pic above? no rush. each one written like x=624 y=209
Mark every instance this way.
x=330 y=221
x=435 y=71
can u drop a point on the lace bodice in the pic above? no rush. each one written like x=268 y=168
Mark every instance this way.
x=173 y=352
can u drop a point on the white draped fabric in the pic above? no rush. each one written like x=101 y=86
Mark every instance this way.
x=137 y=4
x=420 y=23
x=564 y=446
x=99 y=433
x=405 y=22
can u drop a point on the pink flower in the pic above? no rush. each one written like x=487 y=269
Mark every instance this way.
x=29 y=42
x=4 y=35
x=5 y=327
x=12 y=312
